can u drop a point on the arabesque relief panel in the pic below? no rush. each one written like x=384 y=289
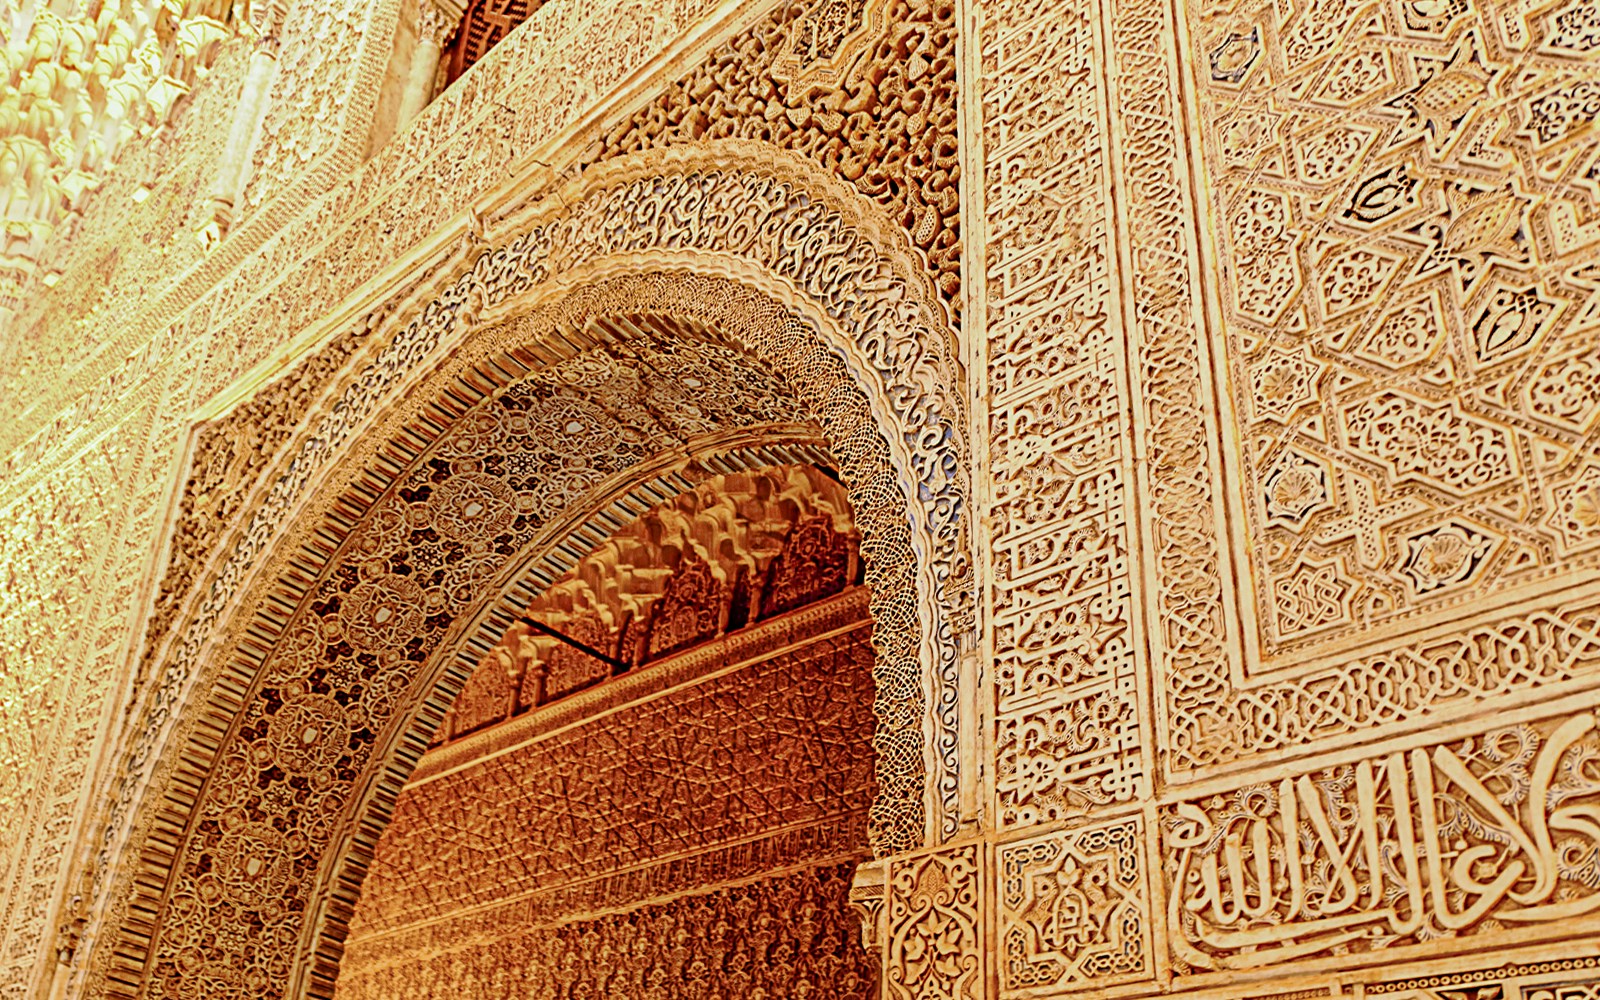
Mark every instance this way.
x=1405 y=219
x=1326 y=272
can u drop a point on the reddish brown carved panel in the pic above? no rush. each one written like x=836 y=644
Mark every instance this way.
x=689 y=612
x=788 y=935
x=816 y=561
x=782 y=743
x=483 y=25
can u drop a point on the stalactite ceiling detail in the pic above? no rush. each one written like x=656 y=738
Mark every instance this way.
x=79 y=87
x=740 y=549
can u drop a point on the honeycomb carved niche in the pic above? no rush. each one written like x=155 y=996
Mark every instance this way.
x=738 y=550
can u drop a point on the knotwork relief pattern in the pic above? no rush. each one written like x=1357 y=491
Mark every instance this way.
x=1065 y=663
x=1074 y=910
x=886 y=126
x=320 y=104
x=58 y=541
x=867 y=88
x=1407 y=223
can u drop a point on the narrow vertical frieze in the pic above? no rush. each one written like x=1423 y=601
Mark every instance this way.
x=1068 y=881
x=1065 y=669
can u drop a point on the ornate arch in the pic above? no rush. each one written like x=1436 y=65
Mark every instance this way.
x=748 y=266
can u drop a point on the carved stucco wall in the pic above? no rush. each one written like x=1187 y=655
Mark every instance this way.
x=718 y=846
x=1289 y=310
x=1280 y=321
x=111 y=365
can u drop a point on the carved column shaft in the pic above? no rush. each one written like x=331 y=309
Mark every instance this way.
x=436 y=20
x=230 y=178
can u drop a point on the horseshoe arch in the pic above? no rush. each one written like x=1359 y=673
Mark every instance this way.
x=782 y=291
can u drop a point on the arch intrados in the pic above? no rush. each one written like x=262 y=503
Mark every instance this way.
x=517 y=586
x=541 y=563
x=471 y=371
x=858 y=283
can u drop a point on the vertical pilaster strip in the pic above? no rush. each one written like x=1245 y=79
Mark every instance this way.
x=1066 y=659
x=977 y=707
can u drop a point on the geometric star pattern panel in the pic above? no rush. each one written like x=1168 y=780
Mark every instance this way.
x=1406 y=203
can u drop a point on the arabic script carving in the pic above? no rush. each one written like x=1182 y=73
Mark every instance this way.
x=1449 y=841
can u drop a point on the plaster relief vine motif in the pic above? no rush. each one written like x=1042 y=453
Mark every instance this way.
x=1066 y=690
x=231 y=295
x=1408 y=222
x=463 y=144
x=59 y=564
x=315 y=94
x=893 y=113
x=935 y=941
x=229 y=458
x=866 y=88
x=1479 y=836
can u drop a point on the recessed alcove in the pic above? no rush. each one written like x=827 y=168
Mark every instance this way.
x=658 y=779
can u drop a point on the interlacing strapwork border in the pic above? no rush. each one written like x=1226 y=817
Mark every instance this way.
x=1330 y=279
x=1063 y=607
x=1074 y=910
